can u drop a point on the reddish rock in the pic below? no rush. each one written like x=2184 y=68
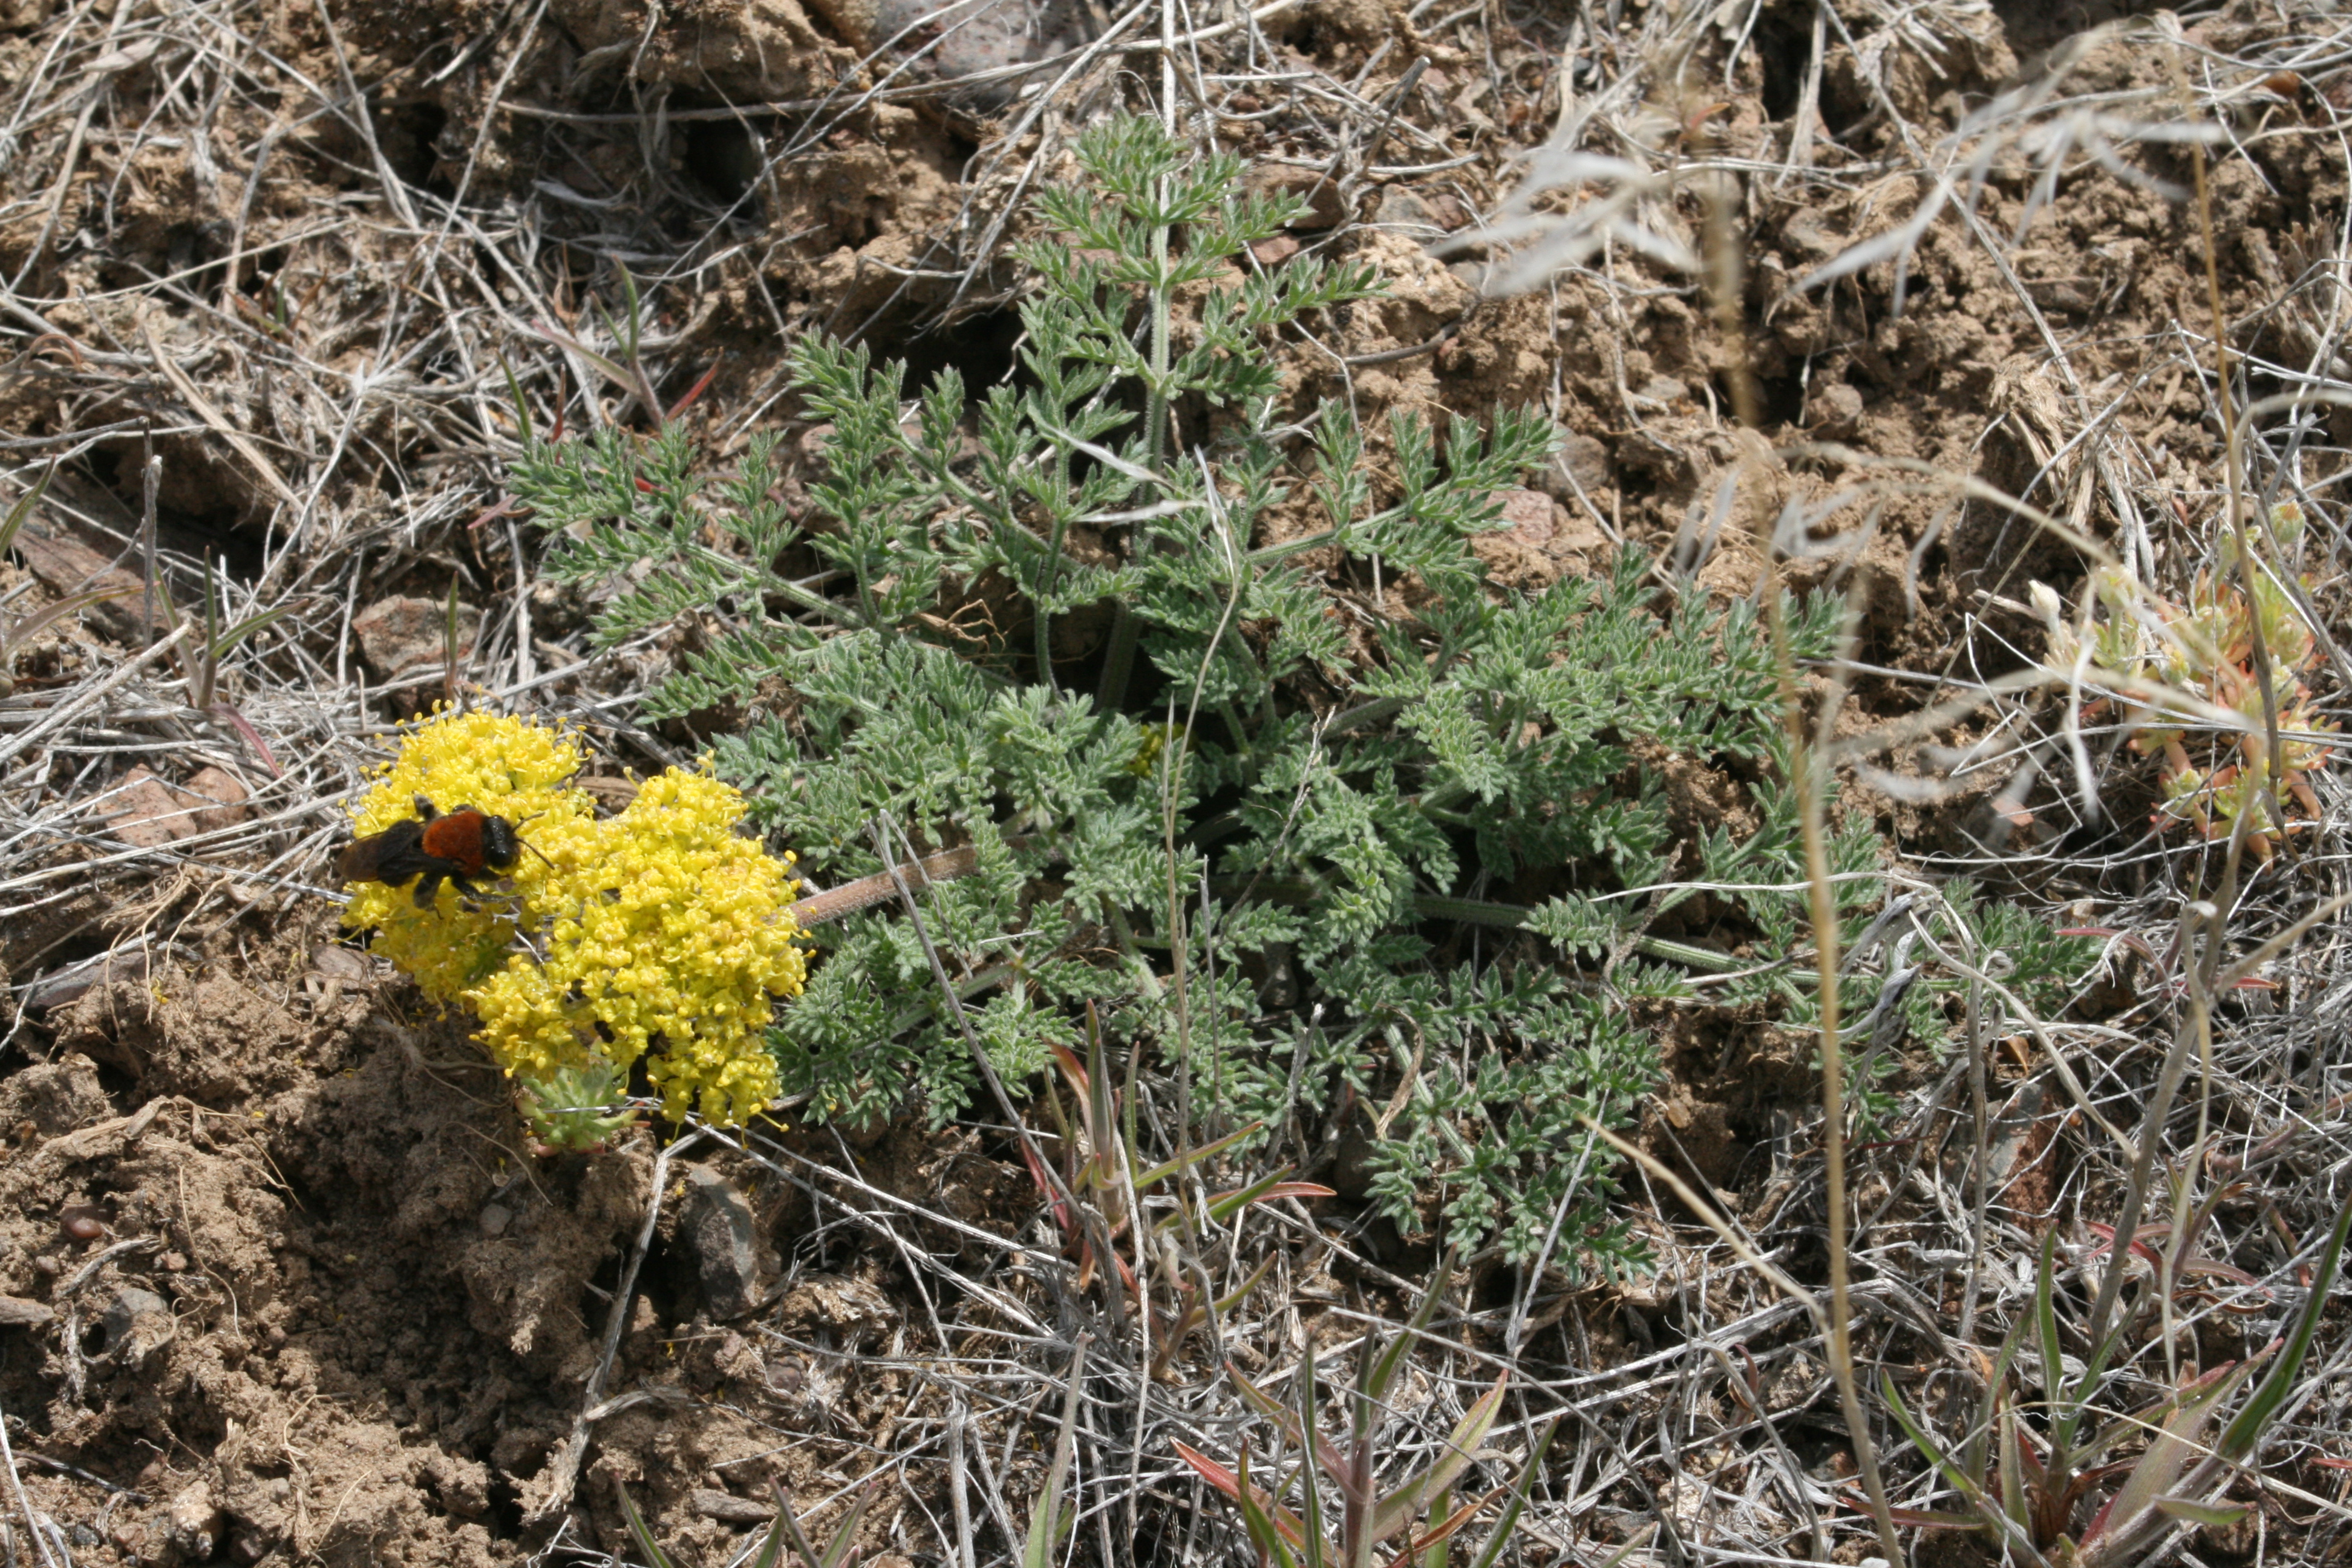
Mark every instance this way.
x=150 y=813
x=145 y=813
x=402 y=634
x=1527 y=517
x=218 y=796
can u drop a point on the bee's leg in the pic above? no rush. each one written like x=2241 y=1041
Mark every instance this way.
x=424 y=808
x=428 y=886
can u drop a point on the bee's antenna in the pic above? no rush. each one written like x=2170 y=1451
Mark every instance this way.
x=526 y=843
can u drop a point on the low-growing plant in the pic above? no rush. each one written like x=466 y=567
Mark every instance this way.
x=2031 y=1470
x=657 y=934
x=1103 y=1167
x=784 y=1534
x=1267 y=853
x=2210 y=651
x=1409 y=1520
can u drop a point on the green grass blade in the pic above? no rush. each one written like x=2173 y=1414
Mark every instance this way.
x=2046 y=1325
x=655 y=1556
x=1384 y=1369
x=2239 y=1438
x=1930 y=1451
x=1166 y=1168
x=522 y=404
x=1500 y=1537
x=1048 y=1518
x=1401 y=1507
x=24 y=507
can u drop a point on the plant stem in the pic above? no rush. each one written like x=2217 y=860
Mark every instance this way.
x=1119 y=660
x=2233 y=481
x=1726 y=288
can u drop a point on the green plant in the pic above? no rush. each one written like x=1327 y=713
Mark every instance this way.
x=2029 y=1484
x=1102 y=1166
x=624 y=367
x=1050 y=1517
x=1916 y=999
x=198 y=649
x=1419 y=1514
x=841 y=1549
x=1266 y=852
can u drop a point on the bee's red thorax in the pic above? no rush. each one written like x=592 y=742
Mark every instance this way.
x=471 y=841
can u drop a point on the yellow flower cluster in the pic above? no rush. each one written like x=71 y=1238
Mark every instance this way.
x=506 y=768
x=658 y=932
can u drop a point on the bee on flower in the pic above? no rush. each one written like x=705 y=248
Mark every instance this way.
x=659 y=934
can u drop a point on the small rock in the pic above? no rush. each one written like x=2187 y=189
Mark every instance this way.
x=495 y=1218
x=1475 y=273
x=56 y=1097
x=718 y=1226
x=218 y=796
x=402 y=634
x=145 y=816
x=151 y=812
x=338 y=963
x=1512 y=564
x=1834 y=411
x=137 y=1324
x=17 y=1312
x=1449 y=209
x=1662 y=389
x=1323 y=206
x=1402 y=208
x=66 y=566
x=463 y=1485
x=729 y=1509
x=1527 y=517
x=1275 y=251
x=785 y=1378
x=1585 y=458
x=193 y=1522
x=852 y=19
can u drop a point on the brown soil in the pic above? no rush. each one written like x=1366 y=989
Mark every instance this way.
x=332 y=1312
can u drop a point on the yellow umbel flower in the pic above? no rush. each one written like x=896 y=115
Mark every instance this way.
x=506 y=768
x=660 y=932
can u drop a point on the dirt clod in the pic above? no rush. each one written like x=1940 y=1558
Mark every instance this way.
x=719 y=1227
